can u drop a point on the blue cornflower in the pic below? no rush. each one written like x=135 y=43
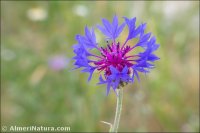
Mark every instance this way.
x=116 y=61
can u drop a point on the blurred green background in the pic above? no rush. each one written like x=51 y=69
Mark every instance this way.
x=39 y=88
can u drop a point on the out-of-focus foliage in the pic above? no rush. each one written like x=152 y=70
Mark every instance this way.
x=38 y=86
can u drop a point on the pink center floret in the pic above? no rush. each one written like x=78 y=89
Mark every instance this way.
x=115 y=56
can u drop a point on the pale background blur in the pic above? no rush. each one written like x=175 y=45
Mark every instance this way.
x=39 y=88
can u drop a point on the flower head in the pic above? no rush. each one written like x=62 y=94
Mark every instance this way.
x=58 y=62
x=117 y=61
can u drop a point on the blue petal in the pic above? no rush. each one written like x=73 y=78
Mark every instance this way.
x=115 y=21
x=136 y=74
x=130 y=23
x=120 y=29
x=111 y=30
x=153 y=57
x=143 y=40
x=134 y=32
x=112 y=77
x=104 y=31
x=81 y=63
x=116 y=83
x=89 y=40
x=125 y=77
x=113 y=70
x=101 y=81
x=107 y=25
x=125 y=70
x=90 y=70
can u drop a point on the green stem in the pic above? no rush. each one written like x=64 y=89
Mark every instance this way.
x=118 y=110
